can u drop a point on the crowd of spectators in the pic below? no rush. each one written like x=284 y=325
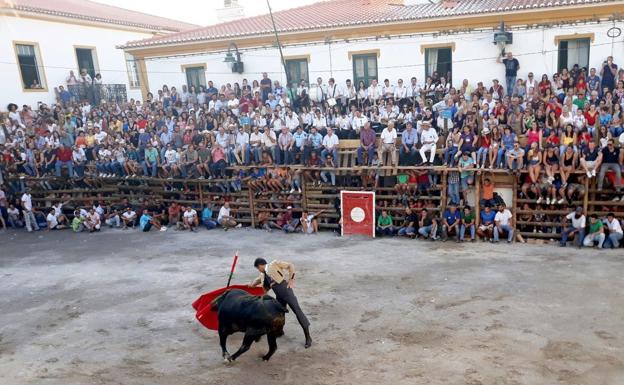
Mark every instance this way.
x=561 y=129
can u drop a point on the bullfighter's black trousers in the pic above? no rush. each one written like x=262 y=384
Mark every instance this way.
x=286 y=296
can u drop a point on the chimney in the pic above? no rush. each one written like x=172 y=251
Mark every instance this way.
x=449 y=3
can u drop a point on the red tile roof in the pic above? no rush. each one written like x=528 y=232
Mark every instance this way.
x=342 y=13
x=92 y=11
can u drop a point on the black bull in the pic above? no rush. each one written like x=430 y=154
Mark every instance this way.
x=239 y=311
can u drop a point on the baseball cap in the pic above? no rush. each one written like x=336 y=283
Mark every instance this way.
x=579 y=209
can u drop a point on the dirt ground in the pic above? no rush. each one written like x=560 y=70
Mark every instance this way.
x=115 y=308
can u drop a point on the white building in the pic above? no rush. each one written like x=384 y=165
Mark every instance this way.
x=366 y=39
x=42 y=40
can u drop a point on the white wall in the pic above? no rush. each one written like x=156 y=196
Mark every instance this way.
x=56 y=45
x=473 y=58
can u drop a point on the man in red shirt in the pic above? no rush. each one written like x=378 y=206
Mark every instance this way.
x=64 y=159
x=142 y=122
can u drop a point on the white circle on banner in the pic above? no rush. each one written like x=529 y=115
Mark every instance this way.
x=357 y=214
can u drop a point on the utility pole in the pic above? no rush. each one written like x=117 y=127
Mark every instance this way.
x=279 y=46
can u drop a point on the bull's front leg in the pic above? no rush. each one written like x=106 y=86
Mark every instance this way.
x=223 y=335
x=272 y=339
x=247 y=341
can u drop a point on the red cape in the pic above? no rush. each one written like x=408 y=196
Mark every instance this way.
x=202 y=304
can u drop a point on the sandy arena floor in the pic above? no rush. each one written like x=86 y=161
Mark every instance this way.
x=115 y=308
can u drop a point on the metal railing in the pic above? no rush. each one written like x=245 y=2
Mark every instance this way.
x=96 y=93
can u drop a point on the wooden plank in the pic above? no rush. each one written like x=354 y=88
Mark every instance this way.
x=540 y=235
x=443 y=191
x=304 y=196
x=477 y=209
x=586 y=197
x=252 y=208
x=514 y=203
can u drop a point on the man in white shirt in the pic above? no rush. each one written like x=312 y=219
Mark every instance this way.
x=80 y=160
x=319 y=121
x=387 y=90
x=269 y=142
x=301 y=88
x=128 y=218
x=502 y=223
x=374 y=93
x=224 y=218
x=615 y=232
x=400 y=93
x=201 y=96
x=222 y=138
x=212 y=104
x=172 y=159
x=348 y=94
x=388 y=144
x=343 y=124
x=85 y=78
x=241 y=148
x=99 y=135
x=429 y=140
x=491 y=103
x=184 y=95
x=29 y=217
x=233 y=104
x=255 y=144
x=414 y=89
x=317 y=91
x=52 y=221
x=333 y=92
x=190 y=219
x=330 y=144
x=291 y=120
x=358 y=121
x=57 y=211
x=259 y=121
x=276 y=122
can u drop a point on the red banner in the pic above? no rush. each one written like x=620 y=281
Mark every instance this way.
x=358 y=212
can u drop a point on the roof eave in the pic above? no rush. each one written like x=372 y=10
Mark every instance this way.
x=135 y=46
x=71 y=17
x=364 y=23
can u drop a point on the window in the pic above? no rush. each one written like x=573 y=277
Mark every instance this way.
x=195 y=75
x=297 y=70
x=30 y=66
x=364 y=68
x=573 y=51
x=133 y=71
x=87 y=59
x=439 y=60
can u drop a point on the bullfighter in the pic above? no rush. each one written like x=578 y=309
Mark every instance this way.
x=272 y=277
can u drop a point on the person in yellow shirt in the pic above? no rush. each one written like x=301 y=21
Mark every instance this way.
x=90 y=139
x=116 y=125
x=272 y=277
